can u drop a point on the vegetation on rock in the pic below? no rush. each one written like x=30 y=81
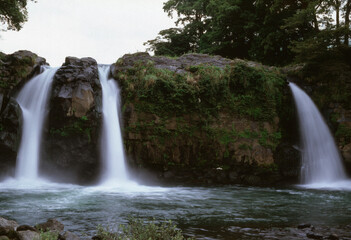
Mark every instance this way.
x=200 y=116
x=137 y=229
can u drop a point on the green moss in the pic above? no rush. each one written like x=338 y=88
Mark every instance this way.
x=197 y=100
x=2 y=57
x=343 y=134
x=206 y=90
x=137 y=229
x=48 y=235
x=78 y=126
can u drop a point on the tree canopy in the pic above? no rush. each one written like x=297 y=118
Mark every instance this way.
x=271 y=31
x=13 y=13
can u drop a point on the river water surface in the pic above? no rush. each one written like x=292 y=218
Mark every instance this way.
x=225 y=212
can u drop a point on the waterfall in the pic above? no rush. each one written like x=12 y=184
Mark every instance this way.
x=321 y=162
x=33 y=100
x=112 y=150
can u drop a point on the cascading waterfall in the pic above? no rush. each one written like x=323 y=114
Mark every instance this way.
x=33 y=100
x=321 y=162
x=114 y=169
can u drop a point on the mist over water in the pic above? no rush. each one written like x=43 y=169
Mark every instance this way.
x=321 y=162
x=33 y=99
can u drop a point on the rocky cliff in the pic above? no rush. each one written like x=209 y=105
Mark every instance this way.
x=196 y=118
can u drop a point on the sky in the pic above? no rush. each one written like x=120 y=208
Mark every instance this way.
x=101 y=29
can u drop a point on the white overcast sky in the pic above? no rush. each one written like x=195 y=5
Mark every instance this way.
x=102 y=29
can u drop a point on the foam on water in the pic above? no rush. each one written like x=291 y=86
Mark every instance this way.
x=34 y=184
x=343 y=185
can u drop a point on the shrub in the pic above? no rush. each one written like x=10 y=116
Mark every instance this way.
x=137 y=229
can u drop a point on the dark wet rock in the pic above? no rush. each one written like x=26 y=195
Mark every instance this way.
x=28 y=235
x=51 y=225
x=10 y=134
x=252 y=180
x=304 y=225
x=11 y=122
x=26 y=228
x=287 y=157
x=12 y=234
x=168 y=174
x=333 y=237
x=74 y=123
x=314 y=235
x=97 y=238
x=75 y=88
x=5 y=230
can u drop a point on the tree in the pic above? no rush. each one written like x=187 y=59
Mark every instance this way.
x=270 y=31
x=13 y=13
x=171 y=42
x=347 y=10
x=328 y=34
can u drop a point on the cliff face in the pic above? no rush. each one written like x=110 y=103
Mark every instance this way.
x=71 y=145
x=196 y=118
x=190 y=115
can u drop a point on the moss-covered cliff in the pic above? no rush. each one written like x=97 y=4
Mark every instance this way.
x=197 y=118
x=201 y=112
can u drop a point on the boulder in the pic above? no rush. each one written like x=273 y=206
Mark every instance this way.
x=26 y=228
x=8 y=223
x=28 y=235
x=314 y=235
x=75 y=88
x=69 y=236
x=51 y=225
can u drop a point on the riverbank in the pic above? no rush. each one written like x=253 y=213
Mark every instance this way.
x=139 y=229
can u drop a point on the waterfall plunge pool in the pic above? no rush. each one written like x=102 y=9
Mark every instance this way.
x=225 y=212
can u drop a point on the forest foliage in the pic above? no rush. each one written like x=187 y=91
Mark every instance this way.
x=274 y=32
x=13 y=13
